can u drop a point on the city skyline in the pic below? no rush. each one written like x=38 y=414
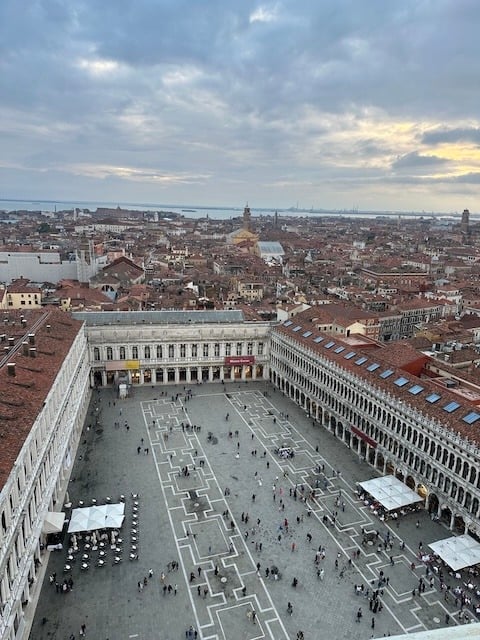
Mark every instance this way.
x=342 y=105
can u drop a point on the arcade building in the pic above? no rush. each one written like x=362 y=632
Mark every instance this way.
x=404 y=412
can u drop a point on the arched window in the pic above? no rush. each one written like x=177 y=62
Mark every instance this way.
x=96 y=354
x=159 y=351
x=109 y=353
x=147 y=353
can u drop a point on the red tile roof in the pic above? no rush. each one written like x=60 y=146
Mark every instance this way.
x=22 y=396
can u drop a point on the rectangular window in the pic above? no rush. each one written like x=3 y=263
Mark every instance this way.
x=171 y=350
x=260 y=349
x=361 y=360
x=183 y=350
x=329 y=345
x=239 y=348
x=451 y=407
x=194 y=350
x=307 y=334
x=250 y=349
x=386 y=374
x=122 y=353
x=373 y=367
x=159 y=352
x=400 y=382
x=350 y=355
x=205 y=350
x=416 y=389
x=135 y=353
x=318 y=339
x=433 y=397
x=471 y=417
x=216 y=350
x=228 y=348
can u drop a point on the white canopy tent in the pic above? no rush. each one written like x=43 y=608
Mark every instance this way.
x=458 y=552
x=104 y=516
x=53 y=522
x=390 y=492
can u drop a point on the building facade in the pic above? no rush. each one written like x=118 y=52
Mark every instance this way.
x=44 y=399
x=394 y=407
x=410 y=420
x=175 y=347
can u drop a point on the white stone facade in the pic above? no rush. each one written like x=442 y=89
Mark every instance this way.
x=36 y=486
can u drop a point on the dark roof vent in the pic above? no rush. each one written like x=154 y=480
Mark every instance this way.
x=11 y=369
x=3 y=337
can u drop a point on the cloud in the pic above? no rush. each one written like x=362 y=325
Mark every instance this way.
x=245 y=96
x=413 y=161
x=442 y=135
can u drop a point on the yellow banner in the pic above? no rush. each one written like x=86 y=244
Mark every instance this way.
x=130 y=365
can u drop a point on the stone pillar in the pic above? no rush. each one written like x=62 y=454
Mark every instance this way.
x=104 y=378
x=452 y=521
x=154 y=375
x=141 y=378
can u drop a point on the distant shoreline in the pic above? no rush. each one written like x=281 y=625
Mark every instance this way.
x=11 y=205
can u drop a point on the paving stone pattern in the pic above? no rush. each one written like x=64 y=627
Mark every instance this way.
x=197 y=479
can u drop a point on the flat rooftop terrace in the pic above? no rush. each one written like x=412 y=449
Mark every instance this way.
x=196 y=484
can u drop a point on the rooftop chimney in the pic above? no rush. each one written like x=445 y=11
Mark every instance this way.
x=31 y=338
x=33 y=352
x=48 y=328
x=11 y=369
x=25 y=348
x=11 y=342
x=3 y=337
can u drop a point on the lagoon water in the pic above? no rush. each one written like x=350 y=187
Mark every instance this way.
x=218 y=213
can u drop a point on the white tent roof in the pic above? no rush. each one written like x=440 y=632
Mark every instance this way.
x=104 y=516
x=458 y=552
x=53 y=522
x=390 y=492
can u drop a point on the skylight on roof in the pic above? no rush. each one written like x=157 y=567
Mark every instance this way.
x=386 y=374
x=400 y=382
x=307 y=334
x=339 y=349
x=433 y=397
x=329 y=345
x=297 y=328
x=415 y=390
x=361 y=360
x=451 y=406
x=350 y=355
x=318 y=339
x=373 y=366
x=472 y=417
x=288 y=323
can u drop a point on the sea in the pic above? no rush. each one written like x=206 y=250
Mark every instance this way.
x=201 y=211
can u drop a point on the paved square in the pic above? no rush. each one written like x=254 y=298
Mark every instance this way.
x=226 y=525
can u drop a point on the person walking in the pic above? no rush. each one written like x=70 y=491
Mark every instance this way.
x=359 y=614
x=289 y=608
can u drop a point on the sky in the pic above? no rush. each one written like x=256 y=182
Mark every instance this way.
x=335 y=104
